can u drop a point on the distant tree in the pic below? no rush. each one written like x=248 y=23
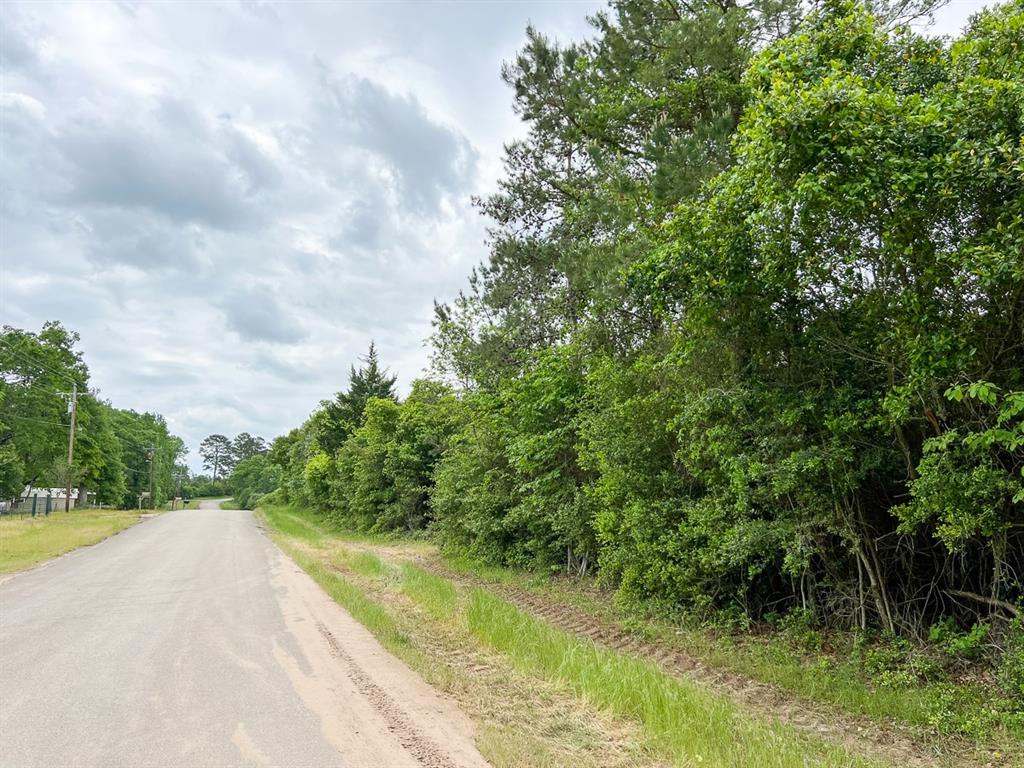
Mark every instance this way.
x=339 y=418
x=245 y=446
x=253 y=477
x=216 y=453
x=37 y=371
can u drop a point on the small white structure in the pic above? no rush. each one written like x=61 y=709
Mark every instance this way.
x=44 y=499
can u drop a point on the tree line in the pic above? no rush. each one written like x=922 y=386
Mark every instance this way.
x=117 y=452
x=221 y=454
x=237 y=466
x=750 y=335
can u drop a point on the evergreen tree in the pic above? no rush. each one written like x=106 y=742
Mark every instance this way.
x=245 y=446
x=217 y=454
x=339 y=418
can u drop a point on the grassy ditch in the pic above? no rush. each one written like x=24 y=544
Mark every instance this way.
x=951 y=705
x=28 y=541
x=673 y=721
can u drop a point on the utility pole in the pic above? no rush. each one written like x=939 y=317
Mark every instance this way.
x=216 y=461
x=73 y=407
x=150 y=454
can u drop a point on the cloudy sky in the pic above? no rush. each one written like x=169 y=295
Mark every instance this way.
x=228 y=201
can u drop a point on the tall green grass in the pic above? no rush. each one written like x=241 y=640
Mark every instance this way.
x=367 y=564
x=287 y=523
x=436 y=595
x=683 y=722
x=691 y=725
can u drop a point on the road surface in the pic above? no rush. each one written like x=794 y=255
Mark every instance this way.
x=190 y=640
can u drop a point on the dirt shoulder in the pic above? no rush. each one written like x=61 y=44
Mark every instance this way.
x=372 y=707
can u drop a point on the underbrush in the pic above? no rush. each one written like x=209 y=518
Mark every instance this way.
x=961 y=684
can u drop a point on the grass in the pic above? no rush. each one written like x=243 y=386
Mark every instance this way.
x=364 y=610
x=831 y=671
x=28 y=541
x=521 y=722
x=676 y=721
x=686 y=722
x=436 y=595
x=290 y=525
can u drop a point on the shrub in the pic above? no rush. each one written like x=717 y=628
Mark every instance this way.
x=956 y=644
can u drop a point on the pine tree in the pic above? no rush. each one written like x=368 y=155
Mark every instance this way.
x=340 y=417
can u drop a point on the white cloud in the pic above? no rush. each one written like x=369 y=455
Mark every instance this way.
x=233 y=199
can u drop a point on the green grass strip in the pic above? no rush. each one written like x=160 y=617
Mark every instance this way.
x=689 y=724
x=682 y=721
x=28 y=541
x=286 y=523
x=436 y=595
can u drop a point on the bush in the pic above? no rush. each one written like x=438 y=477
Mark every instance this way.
x=897 y=664
x=966 y=710
x=798 y=626
x=275 y=498
x=252 y=478
x=959 y=645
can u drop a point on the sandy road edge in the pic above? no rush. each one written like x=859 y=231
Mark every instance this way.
x=372 y=707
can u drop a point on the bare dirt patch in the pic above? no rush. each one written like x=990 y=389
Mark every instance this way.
x=373 y=709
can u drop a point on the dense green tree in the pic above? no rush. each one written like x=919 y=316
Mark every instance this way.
x=110 y=450
x=748 y=333
x=253 y=477
x=149 y=450
x=99 y=452
x=245 y=446
x=862 y=255
x=382 y=476
x=37 y=370
x=217 y=454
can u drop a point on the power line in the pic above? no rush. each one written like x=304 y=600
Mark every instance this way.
x=37 y=363
x=37 y=387
x=143 y=446
x=36 y=421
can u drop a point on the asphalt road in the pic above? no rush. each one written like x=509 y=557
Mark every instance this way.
x=190 y=640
